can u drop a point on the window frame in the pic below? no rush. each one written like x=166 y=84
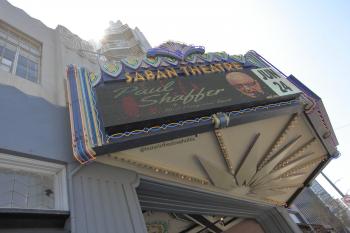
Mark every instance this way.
x=41 y=167
x=23 y=43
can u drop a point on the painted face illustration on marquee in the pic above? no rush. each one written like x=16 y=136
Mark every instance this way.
x=244 y=84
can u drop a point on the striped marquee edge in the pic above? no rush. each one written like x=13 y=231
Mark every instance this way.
x=86 y=129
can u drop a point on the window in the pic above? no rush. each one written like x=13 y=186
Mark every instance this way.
x=32 y=184
x=23 y=189
x=19 y=54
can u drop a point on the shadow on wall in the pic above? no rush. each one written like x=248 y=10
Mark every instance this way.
x=33 y=126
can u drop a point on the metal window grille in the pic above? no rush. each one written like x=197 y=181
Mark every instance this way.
x=27 y=190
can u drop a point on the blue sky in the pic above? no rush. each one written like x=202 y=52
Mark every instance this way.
x=309 y=39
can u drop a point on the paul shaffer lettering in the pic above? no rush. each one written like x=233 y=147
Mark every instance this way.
x=162 y=94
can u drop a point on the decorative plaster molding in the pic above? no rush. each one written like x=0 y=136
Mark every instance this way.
x=74 y=42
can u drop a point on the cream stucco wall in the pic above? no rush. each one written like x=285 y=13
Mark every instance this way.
x=57 y=52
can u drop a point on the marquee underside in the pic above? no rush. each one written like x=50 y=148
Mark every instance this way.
x=265 y=160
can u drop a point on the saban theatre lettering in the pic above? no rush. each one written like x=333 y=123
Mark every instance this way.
x=149 y=97
x=186 y=71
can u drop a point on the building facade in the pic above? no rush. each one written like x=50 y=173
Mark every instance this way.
x=62 y=170
x=320 y=208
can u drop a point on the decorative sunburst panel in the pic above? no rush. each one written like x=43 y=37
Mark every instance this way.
x=265 y=160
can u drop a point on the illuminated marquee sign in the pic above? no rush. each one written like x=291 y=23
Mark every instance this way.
x=175 y=90
x=149 y=97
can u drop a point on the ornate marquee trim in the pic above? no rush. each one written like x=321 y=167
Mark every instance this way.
x=175 y=50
